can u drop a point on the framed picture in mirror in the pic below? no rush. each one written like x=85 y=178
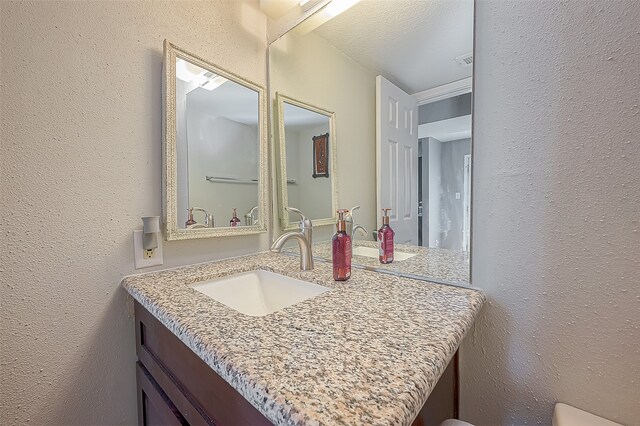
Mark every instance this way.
x=321 y=156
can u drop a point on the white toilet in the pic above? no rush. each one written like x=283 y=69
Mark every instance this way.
x=563 y=415
x=566 y=415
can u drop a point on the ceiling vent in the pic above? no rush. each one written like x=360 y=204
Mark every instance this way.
x=465 y=60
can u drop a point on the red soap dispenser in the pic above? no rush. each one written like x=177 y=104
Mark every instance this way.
x=234 y=220
x=190 y=220
x=341 y=249
x=385 y=239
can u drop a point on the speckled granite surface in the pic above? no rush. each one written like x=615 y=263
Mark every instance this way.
x=367 y=352
x=435 y=264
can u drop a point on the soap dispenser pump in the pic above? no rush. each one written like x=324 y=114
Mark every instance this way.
x=341 y=249
x=385 y=239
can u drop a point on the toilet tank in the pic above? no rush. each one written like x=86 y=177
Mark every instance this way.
x=566 y=415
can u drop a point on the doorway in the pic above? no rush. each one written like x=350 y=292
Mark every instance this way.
x=444 y=133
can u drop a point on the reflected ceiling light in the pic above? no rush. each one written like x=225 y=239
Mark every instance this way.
x=187 y=71
x=336 y=7
x=303 y=2
x=213 y=81
x=331 y=10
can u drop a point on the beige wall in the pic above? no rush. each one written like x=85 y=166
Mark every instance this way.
x=225 y=148
x=556 y=213
x=343 y=86
x=310 y=195
x=80 y=163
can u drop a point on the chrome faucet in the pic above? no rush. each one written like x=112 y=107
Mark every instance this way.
x=208 y=218
x=352 y=227
x=248 y=217
x=303 y=237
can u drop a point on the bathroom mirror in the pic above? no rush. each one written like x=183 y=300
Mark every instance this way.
x=398 y=76
x=306 y=162
x=215 y=148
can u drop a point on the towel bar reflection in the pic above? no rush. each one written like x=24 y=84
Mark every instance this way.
x=236 y=180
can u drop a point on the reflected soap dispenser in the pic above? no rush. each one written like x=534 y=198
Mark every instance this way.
x=234 y=220
x=341 y=249
x=190 y=220
x=385 y=239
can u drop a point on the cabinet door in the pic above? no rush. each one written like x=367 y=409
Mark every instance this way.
x=154 y=407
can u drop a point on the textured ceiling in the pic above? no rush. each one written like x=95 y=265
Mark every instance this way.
x=413 y=43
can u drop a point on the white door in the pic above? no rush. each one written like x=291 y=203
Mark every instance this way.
x=397 y=159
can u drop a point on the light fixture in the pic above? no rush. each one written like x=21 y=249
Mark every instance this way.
x=331 y=10
x=336 y=7
x=303 y=2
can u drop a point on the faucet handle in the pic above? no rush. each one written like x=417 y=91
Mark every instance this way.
x=304 y=221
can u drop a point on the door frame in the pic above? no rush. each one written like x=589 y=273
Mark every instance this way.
x=449 y=90
x=466 y=203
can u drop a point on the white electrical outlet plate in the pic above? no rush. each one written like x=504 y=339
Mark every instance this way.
x=139 y=258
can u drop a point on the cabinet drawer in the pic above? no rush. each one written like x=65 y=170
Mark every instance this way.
x=154 y=407
x=199 y=393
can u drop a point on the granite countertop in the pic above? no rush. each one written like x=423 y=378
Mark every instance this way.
x=437 y=264
x=367 y=352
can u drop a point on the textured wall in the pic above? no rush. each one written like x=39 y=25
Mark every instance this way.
x=556 y=214
x=80 y=163
x=314 y=194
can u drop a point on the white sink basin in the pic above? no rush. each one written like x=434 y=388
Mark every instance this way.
x=258 y=293
x=398 y=256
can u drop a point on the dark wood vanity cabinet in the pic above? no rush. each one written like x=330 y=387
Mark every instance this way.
x=175 y=387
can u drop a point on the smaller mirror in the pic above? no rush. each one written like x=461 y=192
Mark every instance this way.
x=215 y=150
x=307 y=162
